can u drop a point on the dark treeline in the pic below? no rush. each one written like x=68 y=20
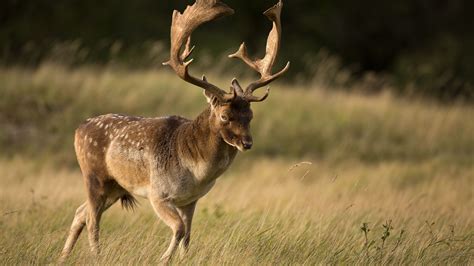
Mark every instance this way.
x=422 y=44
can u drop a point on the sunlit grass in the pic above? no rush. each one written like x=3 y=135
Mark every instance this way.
x=265 y=214
x=39 y=110
x=370 y=161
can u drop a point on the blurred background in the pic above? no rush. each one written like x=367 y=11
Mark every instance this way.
x=363 y=152
x=421 y=47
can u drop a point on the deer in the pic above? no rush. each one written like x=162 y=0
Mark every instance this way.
x=171 y=161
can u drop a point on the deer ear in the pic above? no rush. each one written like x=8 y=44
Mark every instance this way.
x=207 y=95
x=210 y=98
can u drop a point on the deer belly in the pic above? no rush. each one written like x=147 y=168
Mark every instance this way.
x=129 y=170
x=186 y=196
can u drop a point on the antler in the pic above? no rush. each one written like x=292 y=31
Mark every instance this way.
x=264 y=65
x=182 y=26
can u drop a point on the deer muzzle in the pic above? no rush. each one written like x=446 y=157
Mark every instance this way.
x=247 y=143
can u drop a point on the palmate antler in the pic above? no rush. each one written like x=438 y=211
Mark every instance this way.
x=203 y=11
x=264 y=65
x=182 y=26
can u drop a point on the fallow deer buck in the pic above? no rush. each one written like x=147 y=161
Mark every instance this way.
x=172 y=161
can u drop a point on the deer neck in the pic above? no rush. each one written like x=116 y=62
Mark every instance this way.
x=203 y=151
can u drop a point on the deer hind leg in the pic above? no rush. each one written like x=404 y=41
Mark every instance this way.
x=169 y=214
x=101 y=195
x=80 y=220
x=93 y=220
x=76 y=228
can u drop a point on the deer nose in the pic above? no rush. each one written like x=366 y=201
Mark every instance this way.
x=247 y=143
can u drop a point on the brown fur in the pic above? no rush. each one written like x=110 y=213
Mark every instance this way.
x=172 y=161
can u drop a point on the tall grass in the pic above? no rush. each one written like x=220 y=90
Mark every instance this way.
x=39 y=110
x=384 y=179
x=258 y=214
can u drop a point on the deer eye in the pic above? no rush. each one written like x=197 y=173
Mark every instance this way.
x=224 y=118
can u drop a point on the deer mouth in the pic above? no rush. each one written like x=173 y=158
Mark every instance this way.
x=243 y=146
x=241 y=149
x=238 y=144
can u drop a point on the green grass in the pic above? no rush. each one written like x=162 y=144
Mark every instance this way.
x=374 y=159
x=39 y=110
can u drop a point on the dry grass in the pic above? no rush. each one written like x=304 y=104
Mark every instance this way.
x=377 y=160
x=263 y=214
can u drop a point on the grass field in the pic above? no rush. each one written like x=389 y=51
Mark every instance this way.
x=333 y=178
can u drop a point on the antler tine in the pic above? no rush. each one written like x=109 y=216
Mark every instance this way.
x=264 y=65
x=182 y=26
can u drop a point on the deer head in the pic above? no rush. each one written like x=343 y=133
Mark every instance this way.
x=230 y=111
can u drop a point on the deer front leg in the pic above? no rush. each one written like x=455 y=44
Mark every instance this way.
x=169 y=214
x=186 y=214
